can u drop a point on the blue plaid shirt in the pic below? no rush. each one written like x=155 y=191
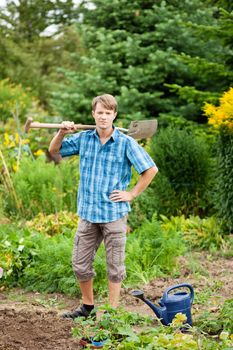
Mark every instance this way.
x=104 y=168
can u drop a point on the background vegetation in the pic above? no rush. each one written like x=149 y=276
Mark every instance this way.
x=169 y=60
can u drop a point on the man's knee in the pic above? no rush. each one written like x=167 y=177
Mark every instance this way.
x=116 y=275
x=82 y=273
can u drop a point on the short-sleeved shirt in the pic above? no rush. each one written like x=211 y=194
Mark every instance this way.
x=104 y=168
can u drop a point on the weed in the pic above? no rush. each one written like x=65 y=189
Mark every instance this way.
x=119 y=327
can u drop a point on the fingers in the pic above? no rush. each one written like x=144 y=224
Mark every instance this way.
x=121 y=196
x=116 y=196
x=68 y=127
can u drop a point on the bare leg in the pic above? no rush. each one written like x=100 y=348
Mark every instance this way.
x=114 y=293
x=87 y=292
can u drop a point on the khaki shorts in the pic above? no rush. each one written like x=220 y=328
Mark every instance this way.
x=87 y=240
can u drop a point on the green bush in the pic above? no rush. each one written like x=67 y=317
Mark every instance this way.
x=51 y=270
x=152 y=251
x=215 y=322
x=43 y=263
x=43 y=187
x=223 y=197
x=17 y=251
x=53 y=224
x=13 y=100
x=183 y=181
x=35 y=261
x=129 y=331
x=197 y=233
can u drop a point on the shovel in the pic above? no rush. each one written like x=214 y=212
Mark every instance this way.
x=140 y=129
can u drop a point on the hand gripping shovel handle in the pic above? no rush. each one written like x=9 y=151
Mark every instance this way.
x=138 y=129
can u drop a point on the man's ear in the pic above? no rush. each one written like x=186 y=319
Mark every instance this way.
x=115 y=115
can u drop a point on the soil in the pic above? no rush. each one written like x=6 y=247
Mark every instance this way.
x=32 y=321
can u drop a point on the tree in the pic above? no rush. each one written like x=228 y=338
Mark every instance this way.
x=28 y=19
x=29 y=53
x=156 y=57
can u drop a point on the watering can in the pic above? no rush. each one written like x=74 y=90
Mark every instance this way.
x=171 y=304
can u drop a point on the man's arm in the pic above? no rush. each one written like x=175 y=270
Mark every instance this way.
x=143 y=182
x=55 y=144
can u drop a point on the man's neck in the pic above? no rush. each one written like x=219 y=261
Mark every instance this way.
x=104 y=134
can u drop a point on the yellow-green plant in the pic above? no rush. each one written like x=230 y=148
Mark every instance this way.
x=54 y=223
x=198 y=233
x=13 y=99
x=222 y=115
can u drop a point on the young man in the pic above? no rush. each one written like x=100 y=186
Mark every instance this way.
x=106 y=157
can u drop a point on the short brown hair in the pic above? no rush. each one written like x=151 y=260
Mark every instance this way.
x=108 y=101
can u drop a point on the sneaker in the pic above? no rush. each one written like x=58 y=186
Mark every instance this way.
x=80 y=312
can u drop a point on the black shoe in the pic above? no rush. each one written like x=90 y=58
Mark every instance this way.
x=80 y=312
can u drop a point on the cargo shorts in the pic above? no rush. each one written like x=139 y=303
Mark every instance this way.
x=87 y=241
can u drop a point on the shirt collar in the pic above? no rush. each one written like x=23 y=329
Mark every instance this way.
x=114 y=135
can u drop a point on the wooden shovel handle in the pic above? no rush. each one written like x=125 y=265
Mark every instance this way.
x=37 y=125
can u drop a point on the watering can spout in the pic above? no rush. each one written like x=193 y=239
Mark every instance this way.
x=159 y=311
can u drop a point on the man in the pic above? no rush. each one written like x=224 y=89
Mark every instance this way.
x=106 y=157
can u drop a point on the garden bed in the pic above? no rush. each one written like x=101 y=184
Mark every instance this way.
x=32 y=321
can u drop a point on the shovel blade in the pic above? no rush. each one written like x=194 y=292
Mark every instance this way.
x=142 y=129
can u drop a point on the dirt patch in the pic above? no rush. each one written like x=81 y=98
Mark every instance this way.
x=30 y=328
x=32 y=321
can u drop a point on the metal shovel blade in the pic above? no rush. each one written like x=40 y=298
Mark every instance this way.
x=142 y=129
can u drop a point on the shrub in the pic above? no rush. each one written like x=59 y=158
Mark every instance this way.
x=181 y=186
x=223 y=197
x=51 y=270
x=52 y=224
x=152 y=251
x=197 y=233
x=43 y=187
x=17 y=250
x=13 y=99
x=122 y=334
x=215 y=322
x=221 y=118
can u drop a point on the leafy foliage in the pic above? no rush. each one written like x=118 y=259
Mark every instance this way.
x=17 y=252
x=215 y=322
x=183 y=159
x=198 y=233
x=43 y=187
x=28 y=19
x=53 y=224
x=37 y=38
x=221 y=118
x=224 y=188
x=119 y=326
x=13 y=98
x=51 y=270
x=152 y=251
x=132 y=51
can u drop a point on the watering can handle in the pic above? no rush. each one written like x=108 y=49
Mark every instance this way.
x=179 y=286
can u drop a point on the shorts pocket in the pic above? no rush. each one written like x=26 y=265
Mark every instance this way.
x=82 y=226
x=118 y=251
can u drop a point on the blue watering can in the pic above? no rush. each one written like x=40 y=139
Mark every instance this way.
x=171 y=304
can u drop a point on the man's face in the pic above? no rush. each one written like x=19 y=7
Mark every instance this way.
x=103 y=117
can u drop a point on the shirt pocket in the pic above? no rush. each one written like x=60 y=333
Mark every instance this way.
x=113 y=164
x=86 y=161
